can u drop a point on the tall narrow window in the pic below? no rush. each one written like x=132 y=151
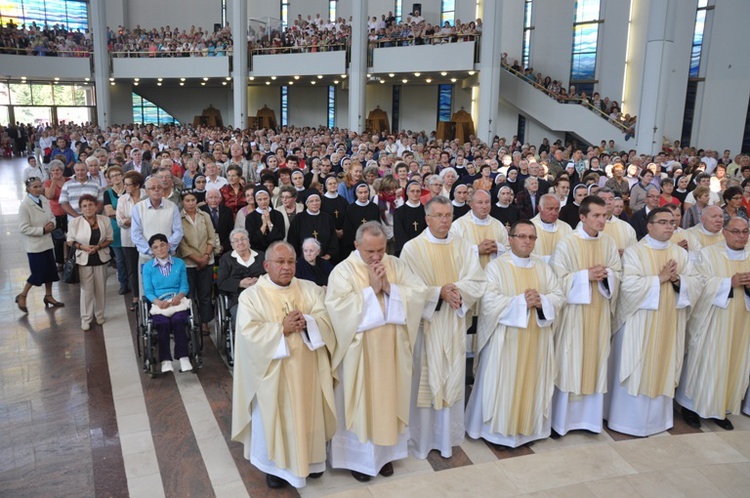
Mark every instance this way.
x=695 y=78
x=284 y=105
x=397 y=6
x=223 y=13
x=527 y=29
x=146 y=112
x=284 y=14
x=585 y=41
x=521 y=130
x=332 y=10
x=331 y=106
x=395 y=107
x=445 y=102
x=447 y=11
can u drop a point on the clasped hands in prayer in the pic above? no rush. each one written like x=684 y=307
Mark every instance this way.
x=533 y=299
x=741 y=279
x=669 y=272
x=597 y=273
x=294 y=321
x=451 y=295
x=487 y=246
x=378 y=277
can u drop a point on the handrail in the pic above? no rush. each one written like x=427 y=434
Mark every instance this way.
x=162 y=54
x=29 y=51
x=436 y=39
x=566 y=100
x=304 y=49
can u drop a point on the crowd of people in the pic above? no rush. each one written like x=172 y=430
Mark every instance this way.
x=610 y=109
x=413 y=29
x=55 y=40
x=385 y=260
x=169 y=42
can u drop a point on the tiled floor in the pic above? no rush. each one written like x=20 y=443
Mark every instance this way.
x=78 y=418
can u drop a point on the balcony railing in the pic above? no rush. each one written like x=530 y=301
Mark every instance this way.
x=45 y=52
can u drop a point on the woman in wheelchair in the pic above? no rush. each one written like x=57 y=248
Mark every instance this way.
x=165 y=284
x=240 y=268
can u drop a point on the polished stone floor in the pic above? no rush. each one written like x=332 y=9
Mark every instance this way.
x=78 y=418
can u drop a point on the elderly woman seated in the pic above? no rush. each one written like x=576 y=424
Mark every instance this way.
x=311 y=266
x=165 y=284
x=240 y=268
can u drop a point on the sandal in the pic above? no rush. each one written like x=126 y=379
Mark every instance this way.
x=132 y=306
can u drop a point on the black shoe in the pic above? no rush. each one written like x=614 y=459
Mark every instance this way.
x=387 y=470
x=553 y=434
x=691 y=418
x=274 y=482
x=360 y=476
x=315 y=475
x=724 y=423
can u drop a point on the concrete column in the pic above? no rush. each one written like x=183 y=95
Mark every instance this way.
x=239 y=73
x=101 y=62
x=358 y=66
x=489 y=70
x=656 y=76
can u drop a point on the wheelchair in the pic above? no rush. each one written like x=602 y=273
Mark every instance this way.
x=224 y=329
x=148 y=341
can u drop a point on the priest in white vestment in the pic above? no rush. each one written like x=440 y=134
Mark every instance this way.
x=283 y=407
x=550 y=230
x=717 y=368
x=659 y=284
x=455 y=281
x=707 y=232
x=589 y=267
x=622 y=232
x=375 y=303
x=511 y=398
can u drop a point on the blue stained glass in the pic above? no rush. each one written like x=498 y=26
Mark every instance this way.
x=447 y=5
x=587 y=10
x=332 y=10
x=284 y=105
x=73 y=14
x=397 y=10
x=695 y=61
x=526 y=47
x=585 y=38
x=331 y=106
x=527 y=14
x=146 y=112
x=583 y=67
x=445 y=102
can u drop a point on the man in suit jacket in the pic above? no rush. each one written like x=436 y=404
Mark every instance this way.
x=222 y=218
x=527 y=199
x=137 y=163
x=638 y=220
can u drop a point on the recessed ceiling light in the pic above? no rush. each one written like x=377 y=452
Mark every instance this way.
x=343 y=76
x=203 y=83
x=136 y=79
x=320 y=76
x=136 y=84
x=111 y=79
x=87 y=79
x=382 y=81
x=417 y=74
x=111 y=83
x=228 y=78
x=182 y=79
x=428 y=80
x=268 y=82
x=159 y=79
x=368 y=75
x=335 y=82
x=224 y=83
x=443 y=73
x=453 y=80
x=391 y=75
x=205 y=79
x=23 y=77
x=313 y=82
x=471 y=73
x=158 y=84
x=273 y=78
x=182 y=83
x=252 y=78
x=291 y=83
x=404 y=81
x=296 y=77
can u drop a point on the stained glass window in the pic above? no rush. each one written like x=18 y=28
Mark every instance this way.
x=72 y=14
x=284 y=105
x=331 y=106
x=527 y=29
x=585 y=40
x=445 y=102
x=447 y=11
x=146 y=112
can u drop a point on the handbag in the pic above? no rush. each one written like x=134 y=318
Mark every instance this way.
x=170 y=310
x=70 y=270
x=58 y=234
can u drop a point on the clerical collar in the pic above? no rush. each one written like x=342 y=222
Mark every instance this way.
x=501 y=205
x=485 y=222
x=413 y=204
x=710 y=234
x=458 y=204
x=582 y=233
x=360 y=203
x=736 y=255
x=311 y=213
x=655 y=244
x=547 y=227
x=274 y=284
x=521 y=262
x=435 y=240
x=330 y=195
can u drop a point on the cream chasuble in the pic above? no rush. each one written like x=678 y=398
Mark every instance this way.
x=698 y=238
x=718 y=363
x=651 y=318
x=516 y=376
x=374 y=347
x=439 y=262
x=474 y=231
x=291 y=384
x=582 y=334
x=678 y=236
x=548 y=235
x=622 y=232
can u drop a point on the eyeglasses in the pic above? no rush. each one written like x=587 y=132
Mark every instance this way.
x=524 y=237
x=671 y=223
x=738 y=232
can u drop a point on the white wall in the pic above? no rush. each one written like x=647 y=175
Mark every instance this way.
x=115 y=12
x=418 y=107
x=260 y=95
x=308 y=105
x=121 y=104
x=342 y=107
x=306 y=8
x=154 y=14
x=613 y=32
x=507 y=120
x=536 y=131
x=511 y=37
x=379 y=95
x=466 y=10
x=553 y=38
x=720 y=119
x=184 y=103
